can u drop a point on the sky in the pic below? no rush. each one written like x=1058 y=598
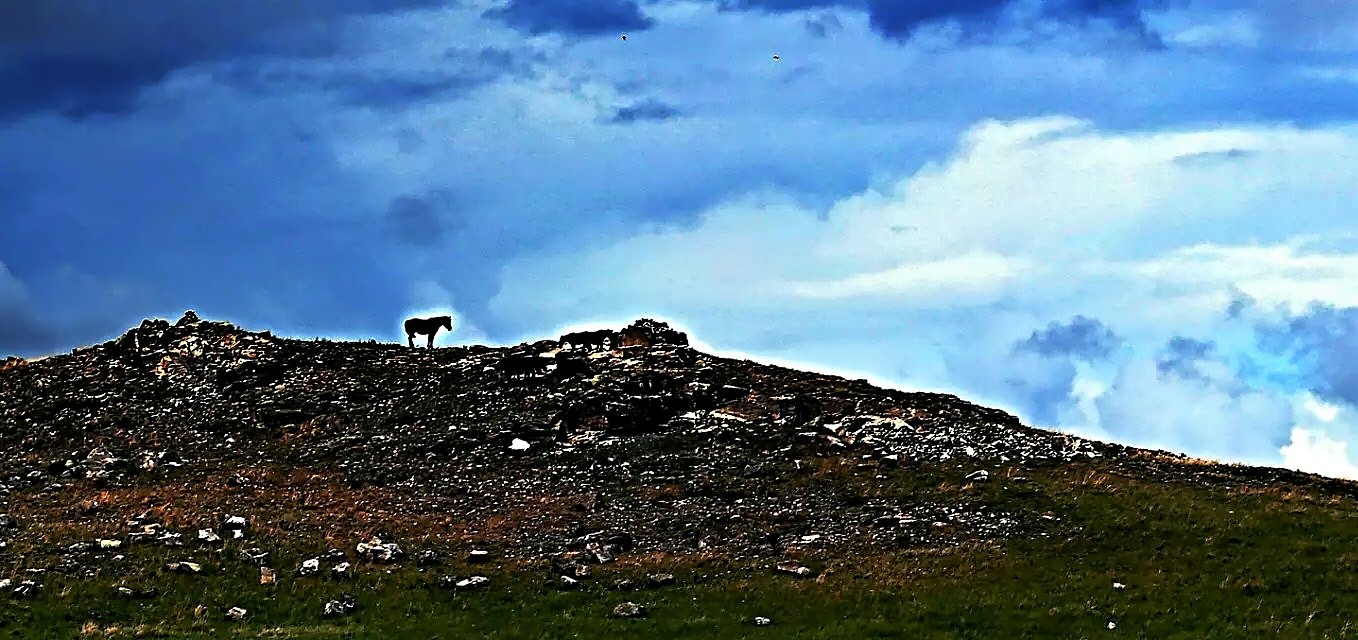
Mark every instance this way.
x=1131 y=220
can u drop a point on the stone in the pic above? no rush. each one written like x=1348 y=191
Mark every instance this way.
x=191 y=568
x=427 y=558
x=233 y=523
x=474 y=582
x=646 y=333
x=603 y=553
x=341 y=570
x=980 y=475
x=310 y=567
x=109 y=544
x=137 y=593
x=267 y=576
x=375 y=550
x=477 y=556
x=207 y=536
x=27 y=590
x=761 y=621
x=235 y=613
x=660 y=579
x=341 y=606
x=255 y=556
x=629 y=610
x=794 y=568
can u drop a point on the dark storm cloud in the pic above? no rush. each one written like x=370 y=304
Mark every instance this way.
x=419 y=219
x=1181 y=355
x=1323 y=343
x=901 y=18
x=81 y=57
x=1082 y=338
x=22 y=330
x=572 y=16
x=644 y=110
x=459 y=72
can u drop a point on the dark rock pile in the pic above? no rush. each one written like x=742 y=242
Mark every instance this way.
x=630 y=434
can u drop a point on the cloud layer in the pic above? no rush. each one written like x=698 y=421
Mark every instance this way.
x=1077 y=210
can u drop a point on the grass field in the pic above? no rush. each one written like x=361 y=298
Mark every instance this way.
x=1198 y=560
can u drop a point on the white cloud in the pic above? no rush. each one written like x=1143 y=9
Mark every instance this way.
x=1213 y=417
x=1316 y=452
x=1281 y=274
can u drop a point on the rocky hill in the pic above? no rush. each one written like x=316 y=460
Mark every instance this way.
x=217 y=445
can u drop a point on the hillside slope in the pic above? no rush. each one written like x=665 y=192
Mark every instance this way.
x=576 y=472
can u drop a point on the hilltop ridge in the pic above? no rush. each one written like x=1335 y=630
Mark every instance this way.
x=238 y=452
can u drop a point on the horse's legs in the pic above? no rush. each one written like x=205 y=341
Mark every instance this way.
x=431 y=338
x=411 y=338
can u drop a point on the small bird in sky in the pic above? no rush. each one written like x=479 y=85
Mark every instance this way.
x=777 y=57
x=624 y=37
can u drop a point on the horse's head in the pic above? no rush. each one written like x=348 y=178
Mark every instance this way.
x=447 y=322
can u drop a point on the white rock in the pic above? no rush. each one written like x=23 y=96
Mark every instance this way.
x=473 y=582
x=518 y=445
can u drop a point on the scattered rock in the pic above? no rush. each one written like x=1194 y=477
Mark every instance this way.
x=255 y=556
x=341 y=606
x=478 y=556
x=191 y=568
x=27 y=590
x=660 y=579
x=375 y=550
x=309 y=567
x=341 y=570
x=267 y=576
x=207 y=536
x=794 y=568
x=137 y=593
x=979 y=475
x=603 y=553
x=427 y=558
x=474 y=582
x=629 y=610
x=761 y=621
x=235 y=613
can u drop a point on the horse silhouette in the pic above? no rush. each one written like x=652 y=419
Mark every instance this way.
x=427 y=326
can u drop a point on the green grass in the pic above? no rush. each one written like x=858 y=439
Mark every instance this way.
x=1198 y=562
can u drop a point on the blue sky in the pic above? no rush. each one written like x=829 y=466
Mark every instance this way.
x=1127 y=219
